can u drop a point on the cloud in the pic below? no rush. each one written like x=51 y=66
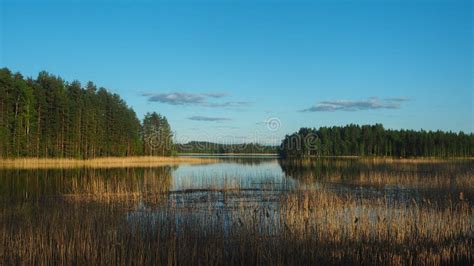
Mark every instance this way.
x=208 y=119
x=372 y=103
x=228 y=104
x=215 y=94
x=176 y=98
x=199 y=99
x=397 y=99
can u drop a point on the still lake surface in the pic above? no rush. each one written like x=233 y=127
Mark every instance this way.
x=249 y=180
x=296 y=212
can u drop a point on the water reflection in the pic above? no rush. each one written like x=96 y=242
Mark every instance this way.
x=407 y=180
x=27 y=185
x=245 y=180
x=232 y=175
x=307 y=211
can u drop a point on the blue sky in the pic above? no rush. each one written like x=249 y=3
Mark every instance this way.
x=235 y=71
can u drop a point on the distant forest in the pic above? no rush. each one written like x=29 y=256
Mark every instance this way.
x=375 y=140
x=216 y=148
x=48 y=117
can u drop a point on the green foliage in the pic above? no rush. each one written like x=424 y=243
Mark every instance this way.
x=215 y=148
x=374 y=140
x=157 y=135
x=48 y=117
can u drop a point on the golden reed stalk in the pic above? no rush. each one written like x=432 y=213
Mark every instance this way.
x=106 y=162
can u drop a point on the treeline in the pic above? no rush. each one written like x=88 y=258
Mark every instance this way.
x=49 y=117
x=157 y=135
x=216 y=148
x=375 y=140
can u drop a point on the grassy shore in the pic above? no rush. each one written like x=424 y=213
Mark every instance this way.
x=308 y=228
x=106 y=162
x=136 y=217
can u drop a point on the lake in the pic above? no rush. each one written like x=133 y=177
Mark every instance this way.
x=242 y=210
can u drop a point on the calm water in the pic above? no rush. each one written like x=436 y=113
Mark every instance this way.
x=244 y=180
x=236 y=208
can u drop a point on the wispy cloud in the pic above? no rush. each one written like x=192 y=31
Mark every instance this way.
x=208 y=118
x=229 y=104
x=199 y=99
x=372 y=103
x=176 y=98
x=215 y=94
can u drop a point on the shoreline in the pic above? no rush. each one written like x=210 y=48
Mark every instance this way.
x=103 y=162
x=197 y=155
x=184 y=159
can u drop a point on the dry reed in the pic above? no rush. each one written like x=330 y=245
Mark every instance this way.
x=131 y=218
x=107 y=162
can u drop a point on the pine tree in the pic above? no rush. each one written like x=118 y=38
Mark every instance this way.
x=374 y=140
x=48 y=117
x=157 y=135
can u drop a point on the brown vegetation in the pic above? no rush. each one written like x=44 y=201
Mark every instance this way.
x=108 y=162
x=123 y=217
x=309 y=228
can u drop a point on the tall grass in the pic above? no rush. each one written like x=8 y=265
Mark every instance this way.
x=107 y=162
x=309 y=228
x=131 y=218
x=305 y=228
x=419 y=173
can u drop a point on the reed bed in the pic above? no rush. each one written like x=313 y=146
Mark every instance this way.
x=415 y=160
x=107 y=162
x=419 y=173
x=305 y=227
x=132 y=217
